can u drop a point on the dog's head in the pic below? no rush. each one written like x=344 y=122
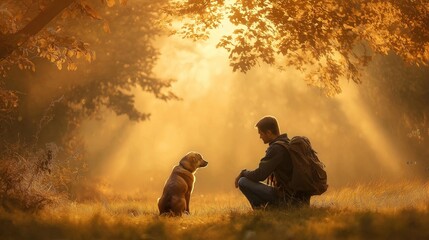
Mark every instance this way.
x=192 y=161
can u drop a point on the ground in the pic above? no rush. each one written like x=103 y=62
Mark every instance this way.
x=371 y=211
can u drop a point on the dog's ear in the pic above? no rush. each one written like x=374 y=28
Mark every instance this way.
x=185 y=162
x=189 y=162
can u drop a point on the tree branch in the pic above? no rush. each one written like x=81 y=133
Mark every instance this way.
x=10 y=42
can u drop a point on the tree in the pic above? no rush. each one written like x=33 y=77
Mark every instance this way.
x=21 y=39
x=328 y=39
x=26 y=39
x=122 y=64
x=123 y=39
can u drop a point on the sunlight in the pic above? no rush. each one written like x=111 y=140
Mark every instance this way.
x=168 y=119
x=359 y=116
x=195 y=65
x=217 y=114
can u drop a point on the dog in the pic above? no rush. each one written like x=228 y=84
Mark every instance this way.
x=178 y=187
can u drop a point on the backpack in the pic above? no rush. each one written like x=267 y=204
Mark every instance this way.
x=308 y=174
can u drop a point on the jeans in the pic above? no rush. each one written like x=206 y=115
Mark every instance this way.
x=261 y=195
x=258 y=194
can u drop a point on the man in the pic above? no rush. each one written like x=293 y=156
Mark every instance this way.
x=276 y=167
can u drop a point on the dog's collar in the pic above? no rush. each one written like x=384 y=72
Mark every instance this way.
x=185 y=167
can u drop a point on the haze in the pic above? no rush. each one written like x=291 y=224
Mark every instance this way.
x=216 y=118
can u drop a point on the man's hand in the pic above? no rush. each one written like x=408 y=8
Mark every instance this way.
x=238 y=178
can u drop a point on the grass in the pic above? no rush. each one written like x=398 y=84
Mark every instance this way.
x=373 y=211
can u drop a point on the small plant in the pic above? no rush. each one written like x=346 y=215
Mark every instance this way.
x=20 y=174
x=32 y=179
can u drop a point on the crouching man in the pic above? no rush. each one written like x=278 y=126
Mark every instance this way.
x=275 y=167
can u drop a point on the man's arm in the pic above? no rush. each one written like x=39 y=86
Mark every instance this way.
x=267 y=165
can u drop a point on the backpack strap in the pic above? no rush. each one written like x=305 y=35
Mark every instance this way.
x=282 y=143
x=271 y=180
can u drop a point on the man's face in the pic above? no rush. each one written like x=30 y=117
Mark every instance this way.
x=265 y=136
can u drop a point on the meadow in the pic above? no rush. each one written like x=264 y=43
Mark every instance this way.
x=370 y=211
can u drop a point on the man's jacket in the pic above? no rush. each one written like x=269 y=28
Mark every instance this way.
x=277 y=160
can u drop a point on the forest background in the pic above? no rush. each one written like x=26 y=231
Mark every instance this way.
x=102 y=98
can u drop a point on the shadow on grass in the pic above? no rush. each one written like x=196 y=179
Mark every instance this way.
x=303 y=223
x=404 y=224
x=259 y=224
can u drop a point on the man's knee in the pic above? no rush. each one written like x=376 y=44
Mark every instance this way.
x=243 y=183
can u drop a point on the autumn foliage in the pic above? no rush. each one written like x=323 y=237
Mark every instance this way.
x=328 y=40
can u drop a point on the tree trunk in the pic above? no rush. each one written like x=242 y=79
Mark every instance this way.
x=9 y=43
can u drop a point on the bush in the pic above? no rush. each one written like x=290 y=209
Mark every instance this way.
x=20 y=185
x=31 y=179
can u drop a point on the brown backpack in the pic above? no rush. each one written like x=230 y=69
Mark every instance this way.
x=308 y=174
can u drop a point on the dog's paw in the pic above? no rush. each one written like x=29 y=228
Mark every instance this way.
x=187 y=213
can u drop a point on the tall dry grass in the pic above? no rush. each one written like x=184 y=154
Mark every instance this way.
x=372 y=211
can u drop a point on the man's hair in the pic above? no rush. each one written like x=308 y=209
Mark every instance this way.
x=268 y=123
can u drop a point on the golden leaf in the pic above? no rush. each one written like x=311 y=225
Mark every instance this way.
x=88 y=57
x=106 y=27
x=71 y=66
x=43 y=43
x=59 y=65
x=110 y=3
x=70 y=53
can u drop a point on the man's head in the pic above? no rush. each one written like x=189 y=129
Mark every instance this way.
x=268 y=129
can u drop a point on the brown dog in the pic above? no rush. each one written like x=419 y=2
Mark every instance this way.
x=178 y=188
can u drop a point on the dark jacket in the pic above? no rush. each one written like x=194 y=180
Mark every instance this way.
x=277 y=160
